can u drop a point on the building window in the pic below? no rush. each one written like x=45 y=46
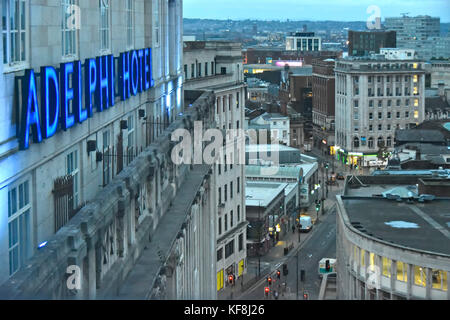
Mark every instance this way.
x=370 y=103
x=380 y=115
x=356 y=142
x=402 y=274
x=439 y=279
x=380 y=103
x=356 y=103
x=388 y=141
x=156 y=25
x=226 y=191
x=131 y=142
x=229 y=249
x=220 y=226
x=219 y=254
x=419 y=276
x=186 y=71
x=231 y=190
x=389 y=103
x=398 y=102
x=199 y=69
x=406 y=114
x=231 y=219
x=14 y=31
x=105 y=25
x=129 y=9
x=370 y=143
x=241 y=242
x=388 y=115
x=370 y=128
x=398 y=115
x=238 y=185
x=206 y=69
x=19 y=225
x=220 y=195
x=74 y=171
x=370 y=116
x=416 y=114
x=238 y=213
x=69 y=31
x=386 y=267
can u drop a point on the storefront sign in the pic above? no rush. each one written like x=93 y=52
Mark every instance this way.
x=64 y=87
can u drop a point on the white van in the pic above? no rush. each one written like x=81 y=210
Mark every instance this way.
x=306 y=223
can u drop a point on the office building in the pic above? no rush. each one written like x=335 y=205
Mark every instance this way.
x=362 y=43
x=303 y=41
x=217 y=67
x=374 y=97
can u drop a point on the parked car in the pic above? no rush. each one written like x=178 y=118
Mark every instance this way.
x=340 y=176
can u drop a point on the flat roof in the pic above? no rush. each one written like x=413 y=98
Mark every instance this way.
x=419 y=226
x=388 y=208
x=262 y=193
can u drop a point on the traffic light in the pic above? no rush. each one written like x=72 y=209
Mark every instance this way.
x=285 y=270
x=317 y=207
x=230 y=279
x=327 y=265
x=326 y=165
x=266 y=291
x=278 y=274
x=305 y=295
x=269 y=280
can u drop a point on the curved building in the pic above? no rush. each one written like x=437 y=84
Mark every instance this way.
x=392 y=239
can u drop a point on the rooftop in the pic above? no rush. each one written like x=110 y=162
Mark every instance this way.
x=262 y=193
x=391 y=210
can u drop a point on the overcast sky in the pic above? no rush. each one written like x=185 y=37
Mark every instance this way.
x=337 y=10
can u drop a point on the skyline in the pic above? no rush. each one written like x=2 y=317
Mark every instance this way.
x=341 y=10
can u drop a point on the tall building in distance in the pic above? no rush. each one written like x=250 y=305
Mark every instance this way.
x=217 y=67
x=421 y=33
x=323 y=112
x=362 y=43
x=374 y=97
x=303 y=41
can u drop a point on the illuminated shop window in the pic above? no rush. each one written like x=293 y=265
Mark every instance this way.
x=420 y=276
x=386 y=267
x=402 y=273
x=363 y=257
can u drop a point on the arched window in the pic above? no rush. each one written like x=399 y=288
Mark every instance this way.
x=380 y=142
x=355 y=142
x=388 y=141
x=370 y=143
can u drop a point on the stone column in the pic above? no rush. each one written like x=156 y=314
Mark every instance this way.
x=429 y=283
x=410 y=280
x=393 y=277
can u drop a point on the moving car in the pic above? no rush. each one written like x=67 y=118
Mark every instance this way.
x=340 y=176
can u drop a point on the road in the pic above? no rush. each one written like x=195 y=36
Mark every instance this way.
x=321 y=243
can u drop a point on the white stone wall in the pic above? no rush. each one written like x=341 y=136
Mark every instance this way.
x=45 y=161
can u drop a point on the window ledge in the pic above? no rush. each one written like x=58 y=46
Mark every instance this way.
x=16 y=67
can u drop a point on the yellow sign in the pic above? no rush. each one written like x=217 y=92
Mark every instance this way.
x=241 y=268
x=220 y=280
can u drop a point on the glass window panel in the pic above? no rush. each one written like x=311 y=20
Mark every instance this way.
x=419 y=276
x=386 y=267
x=13 y=233
x=13 y=201
x=21 y=197
x=363 y=257
x=5 y=48
x=13 y=260
x=436 y=279
x=444 y=280
x=401 y=271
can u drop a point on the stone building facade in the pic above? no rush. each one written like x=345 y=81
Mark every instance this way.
x=374 y=97
x=217 y=66
x=91 y=196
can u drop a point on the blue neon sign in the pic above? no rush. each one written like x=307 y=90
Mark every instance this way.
x=63 y=88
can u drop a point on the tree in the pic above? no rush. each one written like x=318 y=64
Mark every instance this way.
x=383 y=152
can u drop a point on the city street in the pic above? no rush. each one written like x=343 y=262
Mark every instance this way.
x=321 y=243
